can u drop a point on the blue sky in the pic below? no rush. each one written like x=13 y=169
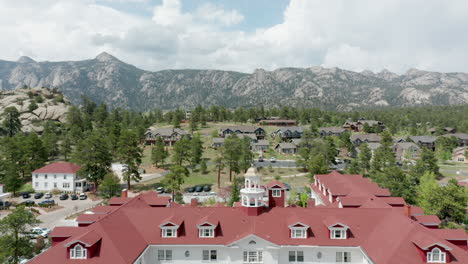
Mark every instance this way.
x=242 y=35
x=257 y=13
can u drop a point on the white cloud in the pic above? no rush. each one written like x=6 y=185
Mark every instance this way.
x=357 y=35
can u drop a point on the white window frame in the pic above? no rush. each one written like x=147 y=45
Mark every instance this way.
x=341 y=231
x=298 y=256
x=165 y=254
x=210 y=255
x=207 y=232
x=343 y=257
x=78 y=252
x=298 y=232
x=436 y=255
x=66 y=185
x=276 y=192
x=169 y=231
x=46 y=185
x=36 y=184
x=253 y=256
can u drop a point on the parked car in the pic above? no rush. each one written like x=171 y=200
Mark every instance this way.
x=5 y=203
x=260 y=159
x=47 y=202
x=74 y=196
x=48 y=195
x=83 y=196
x=191 y=189
x=160 y=189
x=198 y=188
x=40 y=231
x=272 y=159
x=64 y=196
x=26 y=195
x=38 y=195
x=207 y=188
x=28 y=203
x=213 y=193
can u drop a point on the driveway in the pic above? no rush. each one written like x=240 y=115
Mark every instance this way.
x=276 y=164
x=57 y=217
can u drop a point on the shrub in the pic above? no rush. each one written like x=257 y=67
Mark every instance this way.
x=39 y=99
x=179 y=198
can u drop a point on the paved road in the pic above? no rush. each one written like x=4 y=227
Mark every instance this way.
x=57 y=217
x=460 y=172
x=276 y=164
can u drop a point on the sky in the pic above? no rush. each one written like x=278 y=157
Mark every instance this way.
x=242 y=35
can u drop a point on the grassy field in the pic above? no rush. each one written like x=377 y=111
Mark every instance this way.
x=449 y=170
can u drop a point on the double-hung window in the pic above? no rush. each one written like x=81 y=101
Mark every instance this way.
x=164 y=254
x=298 y=233
x=169 y=232
x=339 y=233
x=296 y=256
x=210 y=255
x=206 y=232
x=276 y=193
x=343 y=257
x=253 y=256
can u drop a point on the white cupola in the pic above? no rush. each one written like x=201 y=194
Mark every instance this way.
x=252 y=193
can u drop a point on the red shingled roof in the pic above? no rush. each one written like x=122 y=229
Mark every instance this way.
x=385 y=234
x=427 y=219
x=276 y=183
x=59 y=167
x=118 y=200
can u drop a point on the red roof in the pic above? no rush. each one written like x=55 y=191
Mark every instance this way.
x=118 y=200
x=385 y=234
x=276 y=183
x=427 y=219
x=59 y=167
x=451 y=234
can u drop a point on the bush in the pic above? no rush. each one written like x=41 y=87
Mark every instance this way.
x=59 y=98
x=39 y=245
x=27 y=187
x=32 y=106
x=179 y=198
x=39 y=99
x=277 y=177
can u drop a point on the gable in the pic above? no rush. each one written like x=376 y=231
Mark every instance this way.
x=246 y=241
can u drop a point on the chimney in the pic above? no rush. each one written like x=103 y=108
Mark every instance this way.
x=311 y=203
x=125 y=193
x=194 y=202
x=408 y=210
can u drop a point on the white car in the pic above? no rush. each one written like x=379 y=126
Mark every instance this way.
x=48 y=195
x=40 y=231
x=272 y=159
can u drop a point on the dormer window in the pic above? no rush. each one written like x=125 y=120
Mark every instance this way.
x=206 y=229
x=436 y=256
x=78 y=252
x=298 y=230
x=338 y=233
x=169 y=232
x=206 y=232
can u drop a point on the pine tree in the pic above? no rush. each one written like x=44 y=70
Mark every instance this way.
x=364 y=157
x=246 y=155
x=65 y=147
x=130 y=153
x=110 y=186
x=196 y=150
x=159 y=153
x=354 y=168
x=428 y=193
x=94 y=155
x=15 y=242
x=11 y=123
x=175 y=178
x=181 y=151
x=317 y=165
x=219 y=164
x=231 y=154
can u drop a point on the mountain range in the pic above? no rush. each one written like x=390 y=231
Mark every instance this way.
x=118 y=84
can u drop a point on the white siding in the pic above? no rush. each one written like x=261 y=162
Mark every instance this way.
x=40 y=183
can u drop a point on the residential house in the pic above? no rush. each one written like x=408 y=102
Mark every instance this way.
x=379 y=230
x=462 y=138
x=261 y=145
x=277 y=122
x=459 y=155
x=359 y=125
x=257 y=132
x=359 y=139
x=60 y=176
x=444 y=130
x=169 y=135
x=424 y=141
x=373 y=146
x=217 y=143
x=405 y=151
x=331 y=131
x=288 y=133
x=286 y=148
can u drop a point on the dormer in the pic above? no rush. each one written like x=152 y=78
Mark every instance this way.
x=433 y=249
x=276 y=194
x=298 y=230
x=169 y=229
x=84 y=246
x=338 y=231
x=207 y=230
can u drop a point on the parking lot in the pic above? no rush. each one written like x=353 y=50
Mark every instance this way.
x=66 y=208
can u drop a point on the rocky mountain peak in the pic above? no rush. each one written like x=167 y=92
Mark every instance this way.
x=106 y=57
x=25 y=59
